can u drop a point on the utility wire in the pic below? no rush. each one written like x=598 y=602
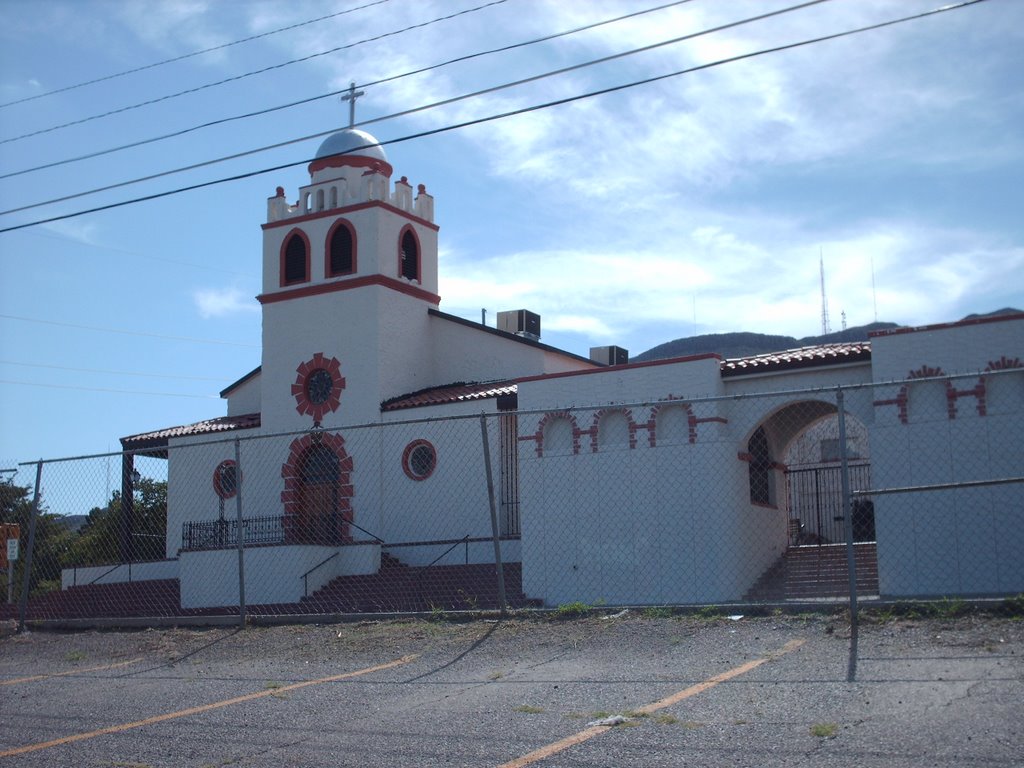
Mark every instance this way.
x=251 y=73
x=414 y=110
x=129 y=333
x=511 y=113
x=113 y=373
x=103 y=389
x=329 y=94
x=191 y=55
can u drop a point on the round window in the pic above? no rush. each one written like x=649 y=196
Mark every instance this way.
x=225 y=479
x=419 y=459
x=319 y=386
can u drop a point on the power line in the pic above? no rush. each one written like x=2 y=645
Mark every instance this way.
x=503 y=115
x=251 y=73
x=104 y=389
x=414 y=110
x=129 y=333
x=113 y=373
x=329 y=94
x=191 y=55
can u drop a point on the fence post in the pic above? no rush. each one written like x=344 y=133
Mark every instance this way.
x=494 y=513
x=26 y=570
x=240 y=534
x=851 y=564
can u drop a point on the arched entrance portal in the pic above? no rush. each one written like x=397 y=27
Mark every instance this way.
x=794 y=463
x=318 y=491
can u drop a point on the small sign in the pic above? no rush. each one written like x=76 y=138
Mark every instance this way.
x=12 y=550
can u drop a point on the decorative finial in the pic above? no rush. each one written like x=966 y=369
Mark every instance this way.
x=350 y=96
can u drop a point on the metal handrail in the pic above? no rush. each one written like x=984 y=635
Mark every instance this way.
x=373 y=536
x=453 y=546
x=111 y=570
x=305 y=580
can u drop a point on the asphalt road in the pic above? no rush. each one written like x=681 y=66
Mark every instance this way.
x=693 y=692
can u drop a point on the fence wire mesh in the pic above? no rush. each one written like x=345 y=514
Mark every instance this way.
x=900 y=490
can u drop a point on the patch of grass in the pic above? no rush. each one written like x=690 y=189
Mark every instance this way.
x=527 y=709
x=708 y=613
x=1014 y=606
x=634 y=714
x=824 y=730
x=657 y=612
x=495 y=675
x=437 y=613
x=666 y=719
x=949 y=608
x=74 y=656
x=692 y=724
x=573 y=610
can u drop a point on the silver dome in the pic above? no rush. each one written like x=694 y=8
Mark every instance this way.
x=346 y=141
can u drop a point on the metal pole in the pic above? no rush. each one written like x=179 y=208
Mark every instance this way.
x=239 y=534
x=494 y=513
x=127 y=505
x=851 y=565
x=26 y=571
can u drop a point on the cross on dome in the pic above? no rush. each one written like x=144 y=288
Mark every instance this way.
x=350 y=96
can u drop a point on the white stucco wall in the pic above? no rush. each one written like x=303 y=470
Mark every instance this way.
x=464 y=353
x=672 y=523
x=965 y=541
x=245 y=398
x=272 y=574
x=125 y=572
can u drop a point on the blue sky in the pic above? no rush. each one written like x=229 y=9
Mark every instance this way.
x=697 y=203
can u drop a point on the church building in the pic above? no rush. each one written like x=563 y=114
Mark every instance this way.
x=358 y=468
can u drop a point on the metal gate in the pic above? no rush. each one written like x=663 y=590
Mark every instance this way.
x=816 y=500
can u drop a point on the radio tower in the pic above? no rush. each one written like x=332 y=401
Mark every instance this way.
x=825 y=328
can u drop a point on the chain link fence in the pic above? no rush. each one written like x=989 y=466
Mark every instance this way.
x=895 y=491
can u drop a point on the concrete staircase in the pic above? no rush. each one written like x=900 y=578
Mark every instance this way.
x=816 y=572
x=398 y=587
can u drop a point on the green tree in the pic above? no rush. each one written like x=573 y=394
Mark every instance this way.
x=107 y=537
x=51 y=540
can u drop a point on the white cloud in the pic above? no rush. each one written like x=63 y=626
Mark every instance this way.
x=217 y=302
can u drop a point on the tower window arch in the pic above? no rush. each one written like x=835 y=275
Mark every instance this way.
x=295 y=259
x=341 y=250
x=409 y=256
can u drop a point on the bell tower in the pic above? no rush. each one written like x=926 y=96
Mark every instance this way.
x=349 y=274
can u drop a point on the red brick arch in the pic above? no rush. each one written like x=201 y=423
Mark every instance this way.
x=292 y=496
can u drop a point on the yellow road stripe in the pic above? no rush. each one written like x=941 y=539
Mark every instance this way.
x=675 y=698
x=203 y=708
x=35 y=678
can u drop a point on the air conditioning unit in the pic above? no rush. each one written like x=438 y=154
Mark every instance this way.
x=521 y=322
x=609 y=355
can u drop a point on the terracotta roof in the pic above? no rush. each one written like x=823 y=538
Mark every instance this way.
x=805 y=357
x=159 y=438
x=450 y=393
x=790 y=359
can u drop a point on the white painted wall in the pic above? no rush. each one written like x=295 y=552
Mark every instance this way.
x=957 y=541
x=272 y=574
x=125 y=572
x=245 y=398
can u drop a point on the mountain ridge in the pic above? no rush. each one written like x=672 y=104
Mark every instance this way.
x=749 y=343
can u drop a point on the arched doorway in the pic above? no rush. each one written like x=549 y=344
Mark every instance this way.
x=318 y=491
x=318 y=496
